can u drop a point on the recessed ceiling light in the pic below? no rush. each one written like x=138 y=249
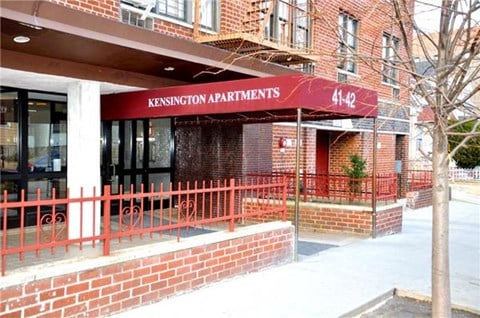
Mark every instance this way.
x=169 y=68
x=21 y=39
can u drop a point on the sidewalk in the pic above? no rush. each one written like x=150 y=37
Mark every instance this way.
x=340 y=279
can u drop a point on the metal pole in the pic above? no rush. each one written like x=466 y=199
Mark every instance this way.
x=374 y=181
x=297 y=180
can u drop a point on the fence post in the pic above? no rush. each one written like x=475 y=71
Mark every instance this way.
x=232 y=205
x=305 y=194
x=106 y=220
x=284 y=197
x=4 y=233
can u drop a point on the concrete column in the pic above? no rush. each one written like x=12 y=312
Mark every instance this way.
x=83 y=160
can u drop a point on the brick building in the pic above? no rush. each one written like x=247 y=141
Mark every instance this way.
x=61 y=61
x=87 y=42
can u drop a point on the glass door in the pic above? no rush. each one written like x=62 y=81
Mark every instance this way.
x=110 y=155
x=136 y=153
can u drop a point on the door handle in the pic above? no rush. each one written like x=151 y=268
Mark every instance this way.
x=114 y=173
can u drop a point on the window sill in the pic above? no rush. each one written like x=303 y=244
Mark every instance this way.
x=390 y=85
x=349 y=74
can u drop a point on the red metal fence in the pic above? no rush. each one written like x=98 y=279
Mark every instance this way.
x=100 y=219
x=419 y=180
x=338 y=188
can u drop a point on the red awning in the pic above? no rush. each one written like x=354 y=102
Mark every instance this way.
x=266 y=99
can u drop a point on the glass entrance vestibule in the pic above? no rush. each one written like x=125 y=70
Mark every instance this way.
x=136 y=152
x=33 y=150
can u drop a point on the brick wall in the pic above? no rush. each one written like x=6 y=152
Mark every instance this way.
x=374 y=20
x=343 y=144
x=285 y=160
x=316 y=217
x=419 y=199
x=334 y=218
x=113 y=284
x=108 y=9
x=374 y=17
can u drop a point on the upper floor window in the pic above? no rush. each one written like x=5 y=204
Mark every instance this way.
x=289 y=23
x=180 y=10
x=347 y=42
x=390 y=46
x=176 y=9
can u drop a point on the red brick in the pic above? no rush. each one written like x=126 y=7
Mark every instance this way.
x=75 y=309
x=158 y=285
x=122 y=276
x=89 y=274
x=99 y=282
x=16 y=314
x=64 y=302
x=120 y=296
x=36 y=309
x=150 y=297
x=53 y=293
x=21 y=302
x=112 y=308
x=141 y=272
x=38 y=286
x=99 y=302
x=64 y=280
x=89 y=295
x=13 y=292
x=77 y=288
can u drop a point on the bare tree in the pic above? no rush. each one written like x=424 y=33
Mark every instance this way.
x=453 y=54
x=451 y=86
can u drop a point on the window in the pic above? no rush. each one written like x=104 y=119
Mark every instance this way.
x=348 y=43
x=390 y=45
x=9 y=132
x=209 y=14
x=135 y=19
x=301 y=25
x=308 y=68
x=172 y=8
x=177 y=10
x=342 y=77
x=289 y=23
x=47 y=136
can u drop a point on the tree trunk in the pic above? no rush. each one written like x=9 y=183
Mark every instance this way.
x=441 y=303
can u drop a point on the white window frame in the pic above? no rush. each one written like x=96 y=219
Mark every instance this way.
x=390 y=47
x=179 y=11
x=347 y=43
x=290 y=15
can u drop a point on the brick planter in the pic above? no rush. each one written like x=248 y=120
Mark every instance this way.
x=319 y=217
x=337 y=218
x=420 y=198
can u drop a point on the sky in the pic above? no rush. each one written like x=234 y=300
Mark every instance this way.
x=427 y=14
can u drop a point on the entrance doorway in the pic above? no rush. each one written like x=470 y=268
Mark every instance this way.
x=321 y=162
x=136 y=152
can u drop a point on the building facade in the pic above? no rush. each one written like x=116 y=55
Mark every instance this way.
x=70 y=75
x=59 y=57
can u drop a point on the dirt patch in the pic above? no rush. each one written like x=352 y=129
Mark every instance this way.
x=405 y=307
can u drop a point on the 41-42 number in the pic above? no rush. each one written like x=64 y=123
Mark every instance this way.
x=340 y=98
